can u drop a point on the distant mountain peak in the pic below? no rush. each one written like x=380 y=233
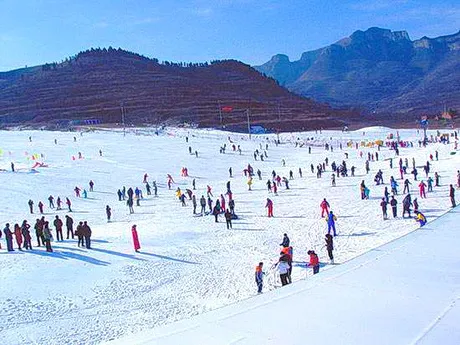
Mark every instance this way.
x=380 y=33
x=378 y=70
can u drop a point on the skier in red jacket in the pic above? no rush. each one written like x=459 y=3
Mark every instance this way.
x=324 y=207
x=269 y=205
x=314 y=261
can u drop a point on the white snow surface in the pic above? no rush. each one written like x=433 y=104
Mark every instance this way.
x=187 y=265
x=404 y=292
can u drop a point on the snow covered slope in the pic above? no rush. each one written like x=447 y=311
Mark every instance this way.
x=187 y=264
x=404 y=292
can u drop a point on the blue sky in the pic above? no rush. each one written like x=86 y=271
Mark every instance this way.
x=34 y=32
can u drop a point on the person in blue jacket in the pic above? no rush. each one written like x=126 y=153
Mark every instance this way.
x=259 y=277
x=331 y=218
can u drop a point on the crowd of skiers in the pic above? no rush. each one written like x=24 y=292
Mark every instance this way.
x=283 y=266
x=21 y=234
x=224 y=204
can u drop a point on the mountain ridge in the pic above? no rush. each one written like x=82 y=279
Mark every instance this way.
x=98 y=83
x=376 y=70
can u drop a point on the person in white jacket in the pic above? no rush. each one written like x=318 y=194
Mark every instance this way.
x=283 y=268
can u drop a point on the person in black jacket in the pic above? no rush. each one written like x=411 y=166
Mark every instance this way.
x=330 y=246
x=452 y=195
x=69 y=226
x=228 y=218
x=286 y=241
x=393 y=203
x=407 y=203
x=383 y=205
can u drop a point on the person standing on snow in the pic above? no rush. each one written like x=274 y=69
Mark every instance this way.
x=386 y=195
x=91 y=186
x=87 y=234
x=69 y=226
x=430 y=184
x=269 y=205
x=47 y=237
x=330 y=247
x=216 y=211
x=130 y=204
x=259 y=275
x=77 y=192
x=283 y=268
x=51 y=201
x=331 y=218
x=210 y=204
x=286 y=255
x=58 y=225
x=422 y=186
x=222 y=203
x=8 y=237
x=407 y=202
x=155 y=188
x=59 y=203
x=69 y=204
x=31 y=206
x=393 y=203
x=383 y=205
x=228 y=218
x=136 y=243
x=406 y=186
x=18 y=235
x=148 y=188
x=39 y=232
x=324 y=207
x=26 y=235
x=108 y=212
x=79 y=234
x=194 y=203
x=203 y=205
x=452 y=195
x=314 y=261
x=285 y=242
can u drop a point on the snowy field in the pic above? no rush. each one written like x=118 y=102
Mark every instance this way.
x=187 y=265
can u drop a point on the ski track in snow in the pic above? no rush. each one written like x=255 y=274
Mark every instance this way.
x=187 y=265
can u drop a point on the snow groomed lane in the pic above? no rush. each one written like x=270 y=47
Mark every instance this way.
x=404 y=292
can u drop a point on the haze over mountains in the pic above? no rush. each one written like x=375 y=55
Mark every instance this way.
x=94 y=84
x=377 y=71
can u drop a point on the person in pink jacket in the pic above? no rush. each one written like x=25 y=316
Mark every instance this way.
x=422 y=186
x=136 y=243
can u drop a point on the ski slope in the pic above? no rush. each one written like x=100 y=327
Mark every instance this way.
x=404 y=292
x=187 y=265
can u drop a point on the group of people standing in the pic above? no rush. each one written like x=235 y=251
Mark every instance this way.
x=44 y=234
